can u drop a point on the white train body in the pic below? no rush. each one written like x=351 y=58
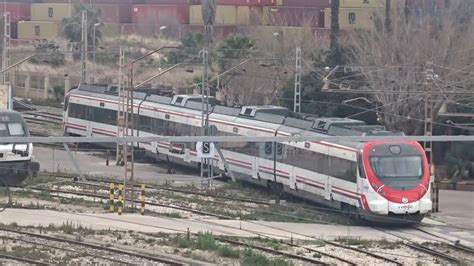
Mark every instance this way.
x=340 y=175
x=15 y=159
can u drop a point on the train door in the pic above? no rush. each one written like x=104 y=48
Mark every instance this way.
x=360 y=175
x=328 y=186
x=89 y=120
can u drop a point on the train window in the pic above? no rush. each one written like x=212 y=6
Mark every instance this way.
x=16 y=129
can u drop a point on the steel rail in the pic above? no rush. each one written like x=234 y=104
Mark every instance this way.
x=269 y=250
x=433 y=252
x=94 y=246
x=22 y=259
x=64 y=249
x=87 y=194
x=192 y=139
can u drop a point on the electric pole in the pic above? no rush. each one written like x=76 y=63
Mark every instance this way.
x=334 y=46
x=429 y=116
x=84 y=48
x=297 y=100
x=209 y=8
x=6 y=48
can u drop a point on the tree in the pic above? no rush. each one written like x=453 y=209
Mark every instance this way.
x=48 y=53
x=398 y=60
x=72 y=26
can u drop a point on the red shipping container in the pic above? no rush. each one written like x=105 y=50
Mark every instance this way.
x=294 y=16
x=307 y=3
x=18 y=11
x=115 y=13
x=247 y=2
x=167 y=2
x=235 y=2
x=162 y=14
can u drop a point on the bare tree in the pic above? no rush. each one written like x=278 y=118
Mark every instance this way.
x=209 y=9
x=398 y=61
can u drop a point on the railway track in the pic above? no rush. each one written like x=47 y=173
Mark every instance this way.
x=447 y=256
x=106 y=197
x=93 y=246
x=22 y=259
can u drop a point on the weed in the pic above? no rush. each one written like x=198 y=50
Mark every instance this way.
x=183 y=242
x=172 y=214
x=227 y=252
x=68 y=228
x=32 y=181
x=206 y=241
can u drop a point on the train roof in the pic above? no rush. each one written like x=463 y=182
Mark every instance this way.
x=267 y=113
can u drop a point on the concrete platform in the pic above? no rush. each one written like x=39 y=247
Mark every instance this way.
x=147 y=224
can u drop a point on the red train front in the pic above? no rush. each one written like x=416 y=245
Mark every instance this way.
x=395 y=181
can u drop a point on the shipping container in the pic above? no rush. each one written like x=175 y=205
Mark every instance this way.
x=235 y=2
x=304 y=3
x=100 y=2
x=355 y=17
x=225 y=15
x=161 y=14
x=362 y=3
x=292 y=16
x=50 y=11
x=115 y=13
x=167 y=2
x=18 y=11
x=38 y=30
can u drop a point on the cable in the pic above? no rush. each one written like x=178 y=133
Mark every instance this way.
x=368 y=109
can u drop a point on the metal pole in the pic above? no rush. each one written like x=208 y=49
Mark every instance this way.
x=429 y=132
x=84 y=48
x=6 y=48
x=93 y=54
x=297 y=100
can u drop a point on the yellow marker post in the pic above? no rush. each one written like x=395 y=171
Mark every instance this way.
x=112 y=197
x=120 y=199
x=143 y=199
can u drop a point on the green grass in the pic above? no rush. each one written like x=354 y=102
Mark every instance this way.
x=67 y=228
x=33 y=181
x=228 y=252
x=251 y=258
x=355 y=241
x=184 y=242
x=206 y=241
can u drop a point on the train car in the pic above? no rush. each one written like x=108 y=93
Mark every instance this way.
x=15 y=159
x=381 y=181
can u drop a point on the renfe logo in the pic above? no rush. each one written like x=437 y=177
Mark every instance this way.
x=405 y=200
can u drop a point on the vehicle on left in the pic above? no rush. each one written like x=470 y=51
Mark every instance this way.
x=15 y=159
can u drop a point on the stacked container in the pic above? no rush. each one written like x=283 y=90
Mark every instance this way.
x=18 y=12
x=45 y=21
x=357 y=13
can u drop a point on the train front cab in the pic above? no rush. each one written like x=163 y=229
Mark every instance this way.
x=394 y=182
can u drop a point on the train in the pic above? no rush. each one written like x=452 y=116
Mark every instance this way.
x=15 y=159
x=378 y=181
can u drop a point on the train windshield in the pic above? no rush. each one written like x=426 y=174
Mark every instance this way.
x=398 y=172
x=11 y=130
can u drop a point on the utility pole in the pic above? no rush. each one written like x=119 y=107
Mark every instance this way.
x=388 y=13
x=334 y=46
x=84 y=48
x=121 y=108
x=297 y=100
x=429 y=108
x=208 y=16
x=6 y=49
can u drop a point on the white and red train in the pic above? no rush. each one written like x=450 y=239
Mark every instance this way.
x=379 y=180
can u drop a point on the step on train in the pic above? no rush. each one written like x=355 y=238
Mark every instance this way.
x=381 y=181
x=15 y=159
